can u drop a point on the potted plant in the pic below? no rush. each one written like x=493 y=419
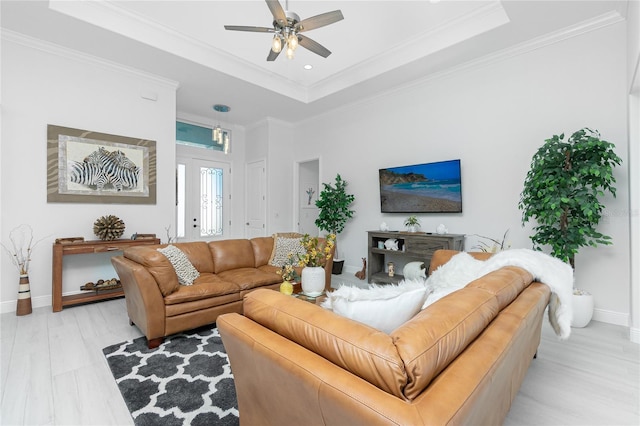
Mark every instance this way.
x=334 y=203
x=562 y=193
x=412 y=223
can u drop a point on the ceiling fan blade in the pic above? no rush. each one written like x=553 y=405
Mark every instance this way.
x=250 y=29
x=277 y=11
x=313 y=46
x=319 y=21
x=272 y=55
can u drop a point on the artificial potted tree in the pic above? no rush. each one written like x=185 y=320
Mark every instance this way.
x=562 y=192
x=334 y=203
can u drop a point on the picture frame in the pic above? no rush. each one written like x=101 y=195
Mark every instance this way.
x=84 y=166
x=309 y=195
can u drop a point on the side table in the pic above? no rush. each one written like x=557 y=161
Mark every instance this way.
x=61 y=249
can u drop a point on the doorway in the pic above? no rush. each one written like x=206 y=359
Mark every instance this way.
x=256 y=202
x=308 y=189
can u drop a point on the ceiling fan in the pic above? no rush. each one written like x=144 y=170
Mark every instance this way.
x=287 y=29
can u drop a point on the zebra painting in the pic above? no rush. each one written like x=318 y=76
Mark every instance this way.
x=102 y=167
x=87 y=174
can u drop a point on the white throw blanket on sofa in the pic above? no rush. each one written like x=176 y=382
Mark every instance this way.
x=462 y=269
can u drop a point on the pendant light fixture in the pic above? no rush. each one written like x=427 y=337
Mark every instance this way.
x=219 y=135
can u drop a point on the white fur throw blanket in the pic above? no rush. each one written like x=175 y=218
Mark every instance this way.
x=463 y=268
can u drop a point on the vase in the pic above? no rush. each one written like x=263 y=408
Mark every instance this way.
x=24 y=296
x=313 y=278
x=583 y=305
x=286 y=288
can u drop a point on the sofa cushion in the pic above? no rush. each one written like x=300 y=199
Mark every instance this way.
x=158 y=266
x=285 y=247
x=248 y=278
x=198 y=254
x=182 y=266
x=358 y=348
x=383 y=307
x=262 y=248
x=231 y=254
x=205 y=286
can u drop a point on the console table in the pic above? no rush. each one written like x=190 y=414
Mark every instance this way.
x=412 y=246
x=85 y=247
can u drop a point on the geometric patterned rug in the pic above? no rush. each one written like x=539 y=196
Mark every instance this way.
x=187 y=380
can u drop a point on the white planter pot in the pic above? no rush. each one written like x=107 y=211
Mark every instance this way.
x=583 y=305
x=313 y=281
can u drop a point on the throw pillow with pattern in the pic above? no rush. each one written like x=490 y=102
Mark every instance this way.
x=185 y=270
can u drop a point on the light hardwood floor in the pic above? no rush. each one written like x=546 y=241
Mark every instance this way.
x=54 y=373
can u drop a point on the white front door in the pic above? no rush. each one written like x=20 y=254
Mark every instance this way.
x=203 y=199
x=255 y=225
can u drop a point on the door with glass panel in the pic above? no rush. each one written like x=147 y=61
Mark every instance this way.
x=203 y=199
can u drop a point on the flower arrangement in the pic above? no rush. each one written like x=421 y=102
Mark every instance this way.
x=317 y=253
x=288 y=271
x=21 y=247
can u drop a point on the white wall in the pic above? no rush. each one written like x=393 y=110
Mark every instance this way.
x=41 y=85
x=272 y=140
x=493 y=117
x=633 y=74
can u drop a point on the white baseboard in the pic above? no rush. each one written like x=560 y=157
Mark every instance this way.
x=611 y=317
x=634 y=335
x=36 y=302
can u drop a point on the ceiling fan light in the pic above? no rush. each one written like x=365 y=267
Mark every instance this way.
x=276 y=44
x=290 y=53
x=292 y=41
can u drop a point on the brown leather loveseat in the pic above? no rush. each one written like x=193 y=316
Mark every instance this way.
x=461 y=360
x=229 y=269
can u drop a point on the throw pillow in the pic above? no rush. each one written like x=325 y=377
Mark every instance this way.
x=185 y=270
x=284 y=246
x=384 y=307
x=459 y=271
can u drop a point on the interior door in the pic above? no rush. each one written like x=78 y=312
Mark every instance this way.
x=255 y=224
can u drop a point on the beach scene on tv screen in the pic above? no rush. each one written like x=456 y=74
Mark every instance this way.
x=421 y=188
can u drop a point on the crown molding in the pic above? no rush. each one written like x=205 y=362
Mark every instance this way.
x=109 y=16
x=74 y=55
x=549 y=39
x=481 y=20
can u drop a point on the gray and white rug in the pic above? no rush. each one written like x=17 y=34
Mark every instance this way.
x=186 y=381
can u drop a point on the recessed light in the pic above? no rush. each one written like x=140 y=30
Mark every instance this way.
x=308 y=66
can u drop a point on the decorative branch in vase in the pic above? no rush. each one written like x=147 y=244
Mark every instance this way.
x=22 y=245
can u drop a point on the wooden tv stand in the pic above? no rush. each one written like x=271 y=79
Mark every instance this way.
x=412 y=246
x=61 y=249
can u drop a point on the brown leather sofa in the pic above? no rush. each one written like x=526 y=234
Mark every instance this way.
x=229 y=269
x=459 y=361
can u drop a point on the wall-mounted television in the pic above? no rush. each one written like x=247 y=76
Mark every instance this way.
x=422 y=188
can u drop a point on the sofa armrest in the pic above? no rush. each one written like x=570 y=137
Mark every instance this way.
x=270 y=370
x=145 y=304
